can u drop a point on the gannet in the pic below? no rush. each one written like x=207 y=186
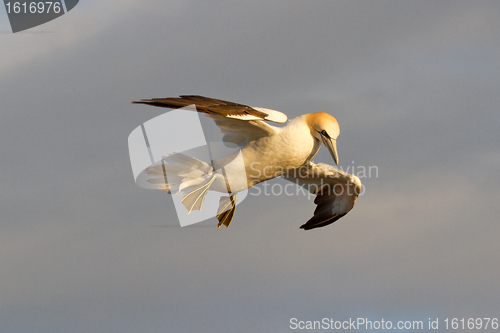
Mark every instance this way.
x=267 y=152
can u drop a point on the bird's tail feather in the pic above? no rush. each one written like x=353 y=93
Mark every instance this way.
x=182 y=172
x=179 y=173
x=193 y=200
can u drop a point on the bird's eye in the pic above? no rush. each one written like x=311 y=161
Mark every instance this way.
x=323 y=132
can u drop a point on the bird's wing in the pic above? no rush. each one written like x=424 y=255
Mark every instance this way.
x=336 y=191
x=239 y=123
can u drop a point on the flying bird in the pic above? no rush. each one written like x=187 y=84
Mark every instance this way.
x=267 y=151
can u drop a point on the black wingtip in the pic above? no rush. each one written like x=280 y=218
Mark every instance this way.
x=314 y=223
x=143 y=101
x=306 y=227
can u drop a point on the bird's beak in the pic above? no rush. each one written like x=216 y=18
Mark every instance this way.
x=331 y=144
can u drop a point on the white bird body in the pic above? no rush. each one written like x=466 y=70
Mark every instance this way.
x=268 y=152
x=268 y=157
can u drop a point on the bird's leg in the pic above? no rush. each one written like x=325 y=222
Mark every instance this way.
x=227 y=207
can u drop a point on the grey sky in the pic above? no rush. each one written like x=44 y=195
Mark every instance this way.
x=414 y=85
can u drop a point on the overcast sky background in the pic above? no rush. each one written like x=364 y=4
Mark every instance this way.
x=415 y=86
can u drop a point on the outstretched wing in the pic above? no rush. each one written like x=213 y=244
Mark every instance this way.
x=336 y=192
x=239 y=123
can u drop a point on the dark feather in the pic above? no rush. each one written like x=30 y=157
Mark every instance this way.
x=323 y=215
x=318 y=221
x=205 y=105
